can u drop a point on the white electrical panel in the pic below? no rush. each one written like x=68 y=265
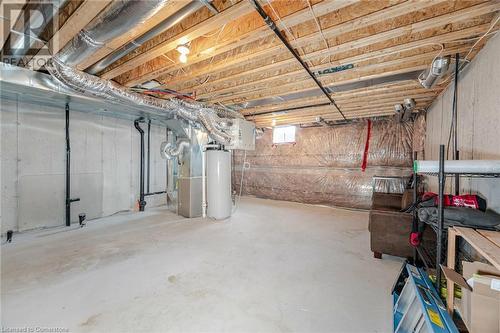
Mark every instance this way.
x=243 y=133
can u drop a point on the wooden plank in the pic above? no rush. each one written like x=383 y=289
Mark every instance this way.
x=492 y=236
x=78 y=20
x=134 y=32
x=339 y=48
x=451 y=258
x=400 y=89
x=305 y=85
x=301 y=75
x=484 y=246
x=426 y=42
x=237 y=41
x=348 y=26
x=358 y=23
x=233 y=12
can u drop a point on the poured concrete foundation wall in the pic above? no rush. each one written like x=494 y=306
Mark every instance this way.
x=478 y=121
x=324 y=165
x=104 y=165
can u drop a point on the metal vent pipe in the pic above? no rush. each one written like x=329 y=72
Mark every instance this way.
x=164 y=25
x=114 y=21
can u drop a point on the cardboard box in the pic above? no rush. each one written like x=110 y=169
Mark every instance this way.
x=480 y=305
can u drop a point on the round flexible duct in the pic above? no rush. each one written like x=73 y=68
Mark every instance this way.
x=216 y=126
x=169 y=151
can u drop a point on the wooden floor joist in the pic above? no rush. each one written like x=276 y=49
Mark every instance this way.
x=238 y=40
x=85 y=13
x=236 y=60
x=216 y=21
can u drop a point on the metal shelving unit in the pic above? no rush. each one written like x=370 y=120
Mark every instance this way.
x=441 y=184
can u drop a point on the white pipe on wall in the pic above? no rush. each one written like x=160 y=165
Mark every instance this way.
x=460 y=166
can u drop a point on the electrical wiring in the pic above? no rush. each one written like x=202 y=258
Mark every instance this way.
x=320 y=31
x=491 y=27
x=467 y=61
x=283 y=23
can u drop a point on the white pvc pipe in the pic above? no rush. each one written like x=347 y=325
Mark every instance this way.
x=204 y=178
x=460 y=166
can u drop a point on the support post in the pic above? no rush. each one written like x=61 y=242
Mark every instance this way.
x=439 y=250
x=455 y=122
x=414 y=213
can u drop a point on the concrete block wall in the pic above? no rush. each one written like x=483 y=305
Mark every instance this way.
x=478 y=121
x=104 y=165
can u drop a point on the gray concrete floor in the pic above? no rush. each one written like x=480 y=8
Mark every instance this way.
x=273 y=267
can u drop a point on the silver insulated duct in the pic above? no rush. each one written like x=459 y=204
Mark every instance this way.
x=137 y=42
x=114 y=21
x=428 y=78
x=216 y=126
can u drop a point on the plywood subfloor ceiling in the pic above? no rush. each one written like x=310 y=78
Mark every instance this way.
x=237 y=61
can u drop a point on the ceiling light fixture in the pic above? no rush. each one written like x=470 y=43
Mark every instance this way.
x=183 y=58
x=183 y=49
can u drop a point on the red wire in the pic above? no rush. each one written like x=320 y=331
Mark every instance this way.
x=367 y=146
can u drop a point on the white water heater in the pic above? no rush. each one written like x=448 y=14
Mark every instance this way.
x=219 y=184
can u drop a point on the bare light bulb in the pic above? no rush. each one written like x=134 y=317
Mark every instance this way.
x=183 y=58
x=183 y=49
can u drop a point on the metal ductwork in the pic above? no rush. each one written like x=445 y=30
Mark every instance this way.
x=216 y=126
x=166 y=24
x=428 y=78
x=114 y=21
x=169 y=151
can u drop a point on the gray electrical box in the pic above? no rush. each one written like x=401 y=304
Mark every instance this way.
x=189 y=198
x=243 y=133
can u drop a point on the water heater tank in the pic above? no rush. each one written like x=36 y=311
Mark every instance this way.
x=219 y=184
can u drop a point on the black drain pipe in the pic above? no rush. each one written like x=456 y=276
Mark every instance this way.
x=270 y=23
x=149 y=154
x=68 y=172
x=142 y=202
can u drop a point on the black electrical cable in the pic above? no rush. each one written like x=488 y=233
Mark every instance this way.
x=453 y=126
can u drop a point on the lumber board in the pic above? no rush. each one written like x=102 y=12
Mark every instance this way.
x=216 y=21
x=363 y=21
x=484 y=246
x=82 y=16
x=134 y=32
x=238 y=40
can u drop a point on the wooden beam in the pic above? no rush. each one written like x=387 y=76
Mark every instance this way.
x=294 y=79
x=85 y=13
x=168 y=10
x=387 y=36
x=239 y=40
x=412 y=45
x=358 y=23
x=344 y=102
x=401 y=88
x=233 y=12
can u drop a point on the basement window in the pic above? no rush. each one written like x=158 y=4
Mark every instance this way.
x=284 y=134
